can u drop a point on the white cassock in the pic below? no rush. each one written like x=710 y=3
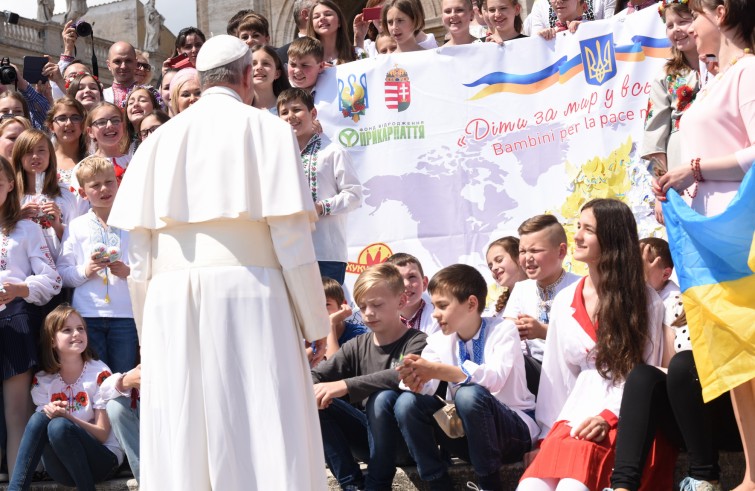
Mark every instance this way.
x=221 y=248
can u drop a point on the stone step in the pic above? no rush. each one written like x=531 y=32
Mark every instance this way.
x=732 y=469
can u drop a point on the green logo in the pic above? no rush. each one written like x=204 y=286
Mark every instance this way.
x=348 y=137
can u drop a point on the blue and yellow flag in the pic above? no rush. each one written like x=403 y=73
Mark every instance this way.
x=715 y=262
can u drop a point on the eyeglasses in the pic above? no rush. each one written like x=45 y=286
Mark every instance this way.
x=63 y=119
x=101 y=123
x=144 y=66
x=146 y=132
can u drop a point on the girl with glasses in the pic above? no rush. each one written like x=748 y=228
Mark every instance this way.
x=106 y=131
x=65 y=120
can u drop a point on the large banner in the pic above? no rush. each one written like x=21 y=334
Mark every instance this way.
x=455 y=147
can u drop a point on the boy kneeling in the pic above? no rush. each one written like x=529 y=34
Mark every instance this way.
x=481 y=361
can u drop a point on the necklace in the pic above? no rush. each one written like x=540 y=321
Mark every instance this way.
x=745 y=52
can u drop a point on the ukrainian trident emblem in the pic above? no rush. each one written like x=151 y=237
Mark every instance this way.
x=598 y=59
x=398 y=94
x=353 y=100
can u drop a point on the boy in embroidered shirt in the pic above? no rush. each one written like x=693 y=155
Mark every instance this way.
x=542 y=249
x=334 y=185
x=482 y=364
x=93 y=261
x=417 y=313
x=363 y=372
x=305 y=57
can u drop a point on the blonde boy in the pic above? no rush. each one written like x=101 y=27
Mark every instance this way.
x=482 y=363
x=94 y=262
x=363 y=371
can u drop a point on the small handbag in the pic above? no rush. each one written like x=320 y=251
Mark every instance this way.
x=448 y=420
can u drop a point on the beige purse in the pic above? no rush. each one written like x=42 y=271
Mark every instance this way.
x=448 y=420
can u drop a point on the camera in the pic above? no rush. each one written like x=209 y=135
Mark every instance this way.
x=83 y=28
x=7 y=72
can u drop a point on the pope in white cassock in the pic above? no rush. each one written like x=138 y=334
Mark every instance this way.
x=222 y=261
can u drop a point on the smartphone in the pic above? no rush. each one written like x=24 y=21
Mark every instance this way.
x=180 y=61
x=33 y=66
x=372 y=13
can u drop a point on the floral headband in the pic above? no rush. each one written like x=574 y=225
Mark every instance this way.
x=665 y=3
x=73 y=75
x=155 y=94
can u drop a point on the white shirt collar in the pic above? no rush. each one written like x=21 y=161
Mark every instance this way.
x=219 y=89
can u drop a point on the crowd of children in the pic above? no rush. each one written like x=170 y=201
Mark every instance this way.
x=416 y=370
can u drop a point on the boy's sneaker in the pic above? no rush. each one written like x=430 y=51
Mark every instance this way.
x=473 y=486
x=690 y=484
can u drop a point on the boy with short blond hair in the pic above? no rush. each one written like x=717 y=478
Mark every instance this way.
x=363 y=371
x=94 y=262
x=305 y=62
x=542 y=250
x=417 y=313
x=481 y=362
x=334 y=185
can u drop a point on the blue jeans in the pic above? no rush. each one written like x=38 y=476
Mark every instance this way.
x=71 y=456
x=494 y=434
x=333 y=269
x=371 y=436
x=115 y=341
x=125 y=423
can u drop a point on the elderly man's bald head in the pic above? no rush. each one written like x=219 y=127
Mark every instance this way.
x=121 y=61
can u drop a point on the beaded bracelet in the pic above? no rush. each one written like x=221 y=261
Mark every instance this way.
x=697 y=174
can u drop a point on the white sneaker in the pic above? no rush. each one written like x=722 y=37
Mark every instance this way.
x=132 y=484
x=473 y=486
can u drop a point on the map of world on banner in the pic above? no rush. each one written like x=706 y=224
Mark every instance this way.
x=455 y=147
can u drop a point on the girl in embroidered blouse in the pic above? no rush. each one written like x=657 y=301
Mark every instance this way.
x=43 y=200
x=600 y=328
x=672 y=93
x=65 y=120
x=108 y=137
x=27 y=275
x=70 y=430
x=328 y=25
x=503 y=263
x=268 y=79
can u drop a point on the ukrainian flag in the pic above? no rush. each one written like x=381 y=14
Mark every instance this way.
x=715 y=262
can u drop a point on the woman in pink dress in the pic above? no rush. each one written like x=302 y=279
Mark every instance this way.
x=718 y=148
